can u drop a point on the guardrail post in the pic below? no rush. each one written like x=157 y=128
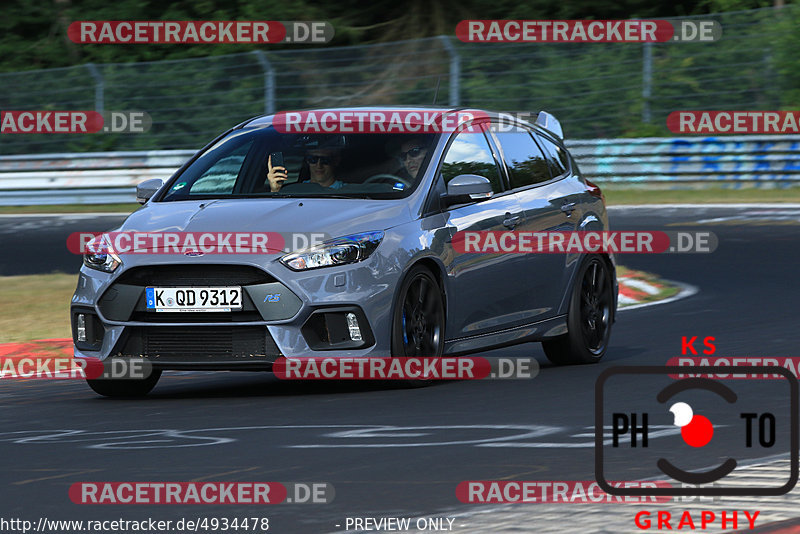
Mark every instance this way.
x=647 y=80
x=269 y=81
x=99 y=87
x=455 y=70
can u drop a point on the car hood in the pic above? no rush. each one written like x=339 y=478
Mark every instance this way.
x=333 y=217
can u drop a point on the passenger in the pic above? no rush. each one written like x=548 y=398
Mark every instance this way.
x=412 y=154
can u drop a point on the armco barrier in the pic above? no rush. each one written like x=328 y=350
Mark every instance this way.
x=727 y=161
x=87 y=178
x=735 y=161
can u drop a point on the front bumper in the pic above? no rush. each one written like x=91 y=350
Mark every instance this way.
x=306 y=319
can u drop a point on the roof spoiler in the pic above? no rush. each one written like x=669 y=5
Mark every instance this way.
x=550 y=123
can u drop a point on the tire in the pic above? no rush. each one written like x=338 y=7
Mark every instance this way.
x=125 y=387
x=418 y=319
x=590 y=316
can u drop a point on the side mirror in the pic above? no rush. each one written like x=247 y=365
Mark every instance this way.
x=148 y=188
x=467 y=188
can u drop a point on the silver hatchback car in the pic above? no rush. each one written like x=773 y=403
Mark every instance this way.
x=386 y=280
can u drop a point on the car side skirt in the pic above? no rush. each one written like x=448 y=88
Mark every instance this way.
x=538 y=331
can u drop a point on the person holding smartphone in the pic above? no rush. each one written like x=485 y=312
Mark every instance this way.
x=322 y=164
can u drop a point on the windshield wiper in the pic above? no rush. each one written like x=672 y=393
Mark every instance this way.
x=356 y=195
x=296 y=195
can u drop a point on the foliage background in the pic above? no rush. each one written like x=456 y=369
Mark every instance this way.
x=389 y=52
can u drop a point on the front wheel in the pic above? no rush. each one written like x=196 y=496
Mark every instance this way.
x=418 y=320
x=125 y=387
x=591 y=313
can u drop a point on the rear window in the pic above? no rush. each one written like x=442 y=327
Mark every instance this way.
x=524 y=159
x=556 y=155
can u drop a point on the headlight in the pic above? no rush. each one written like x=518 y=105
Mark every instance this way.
x=99 y=255
x=340 y=251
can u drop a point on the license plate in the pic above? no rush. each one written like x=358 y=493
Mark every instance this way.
x=194 y=299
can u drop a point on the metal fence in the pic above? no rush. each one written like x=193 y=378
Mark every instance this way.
x=596 y=90
x=766 y=161
x=654 y=163
x=84 y=178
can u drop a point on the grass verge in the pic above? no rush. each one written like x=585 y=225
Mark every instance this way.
x=35 y=306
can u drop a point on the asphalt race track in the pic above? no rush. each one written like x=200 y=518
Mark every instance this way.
x=388 y=451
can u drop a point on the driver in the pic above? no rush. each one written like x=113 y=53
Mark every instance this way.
x=322 y=164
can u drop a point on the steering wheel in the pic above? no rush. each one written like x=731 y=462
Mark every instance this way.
x=385 y=177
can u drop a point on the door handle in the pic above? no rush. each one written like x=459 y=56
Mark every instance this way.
x=510 y=222
x=568 y=208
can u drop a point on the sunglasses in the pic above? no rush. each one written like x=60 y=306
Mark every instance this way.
x=312 y=160
x=414 y=152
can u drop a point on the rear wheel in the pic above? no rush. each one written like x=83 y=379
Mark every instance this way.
x=418 y=320
x=591 y=313
x=125 y=387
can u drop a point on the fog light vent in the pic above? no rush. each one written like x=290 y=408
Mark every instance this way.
x=352 y=326
x=337 y=329
x=87 y=330
x=81 y=327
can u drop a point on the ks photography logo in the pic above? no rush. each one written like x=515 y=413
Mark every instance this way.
x=714 y=421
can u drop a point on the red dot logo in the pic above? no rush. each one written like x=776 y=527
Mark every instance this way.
x=696 y=430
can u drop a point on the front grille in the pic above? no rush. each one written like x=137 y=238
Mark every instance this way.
x=125 y=299
x=200 y=344
x=194 y=275
x=196 y=317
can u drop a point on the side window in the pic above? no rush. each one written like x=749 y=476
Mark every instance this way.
x=221 y=176
x=555 y=155
x=469 y=153
x=524 y=159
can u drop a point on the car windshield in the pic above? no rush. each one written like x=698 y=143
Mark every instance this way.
x=261 y=162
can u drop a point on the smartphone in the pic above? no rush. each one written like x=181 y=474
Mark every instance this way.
x=277 y=159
